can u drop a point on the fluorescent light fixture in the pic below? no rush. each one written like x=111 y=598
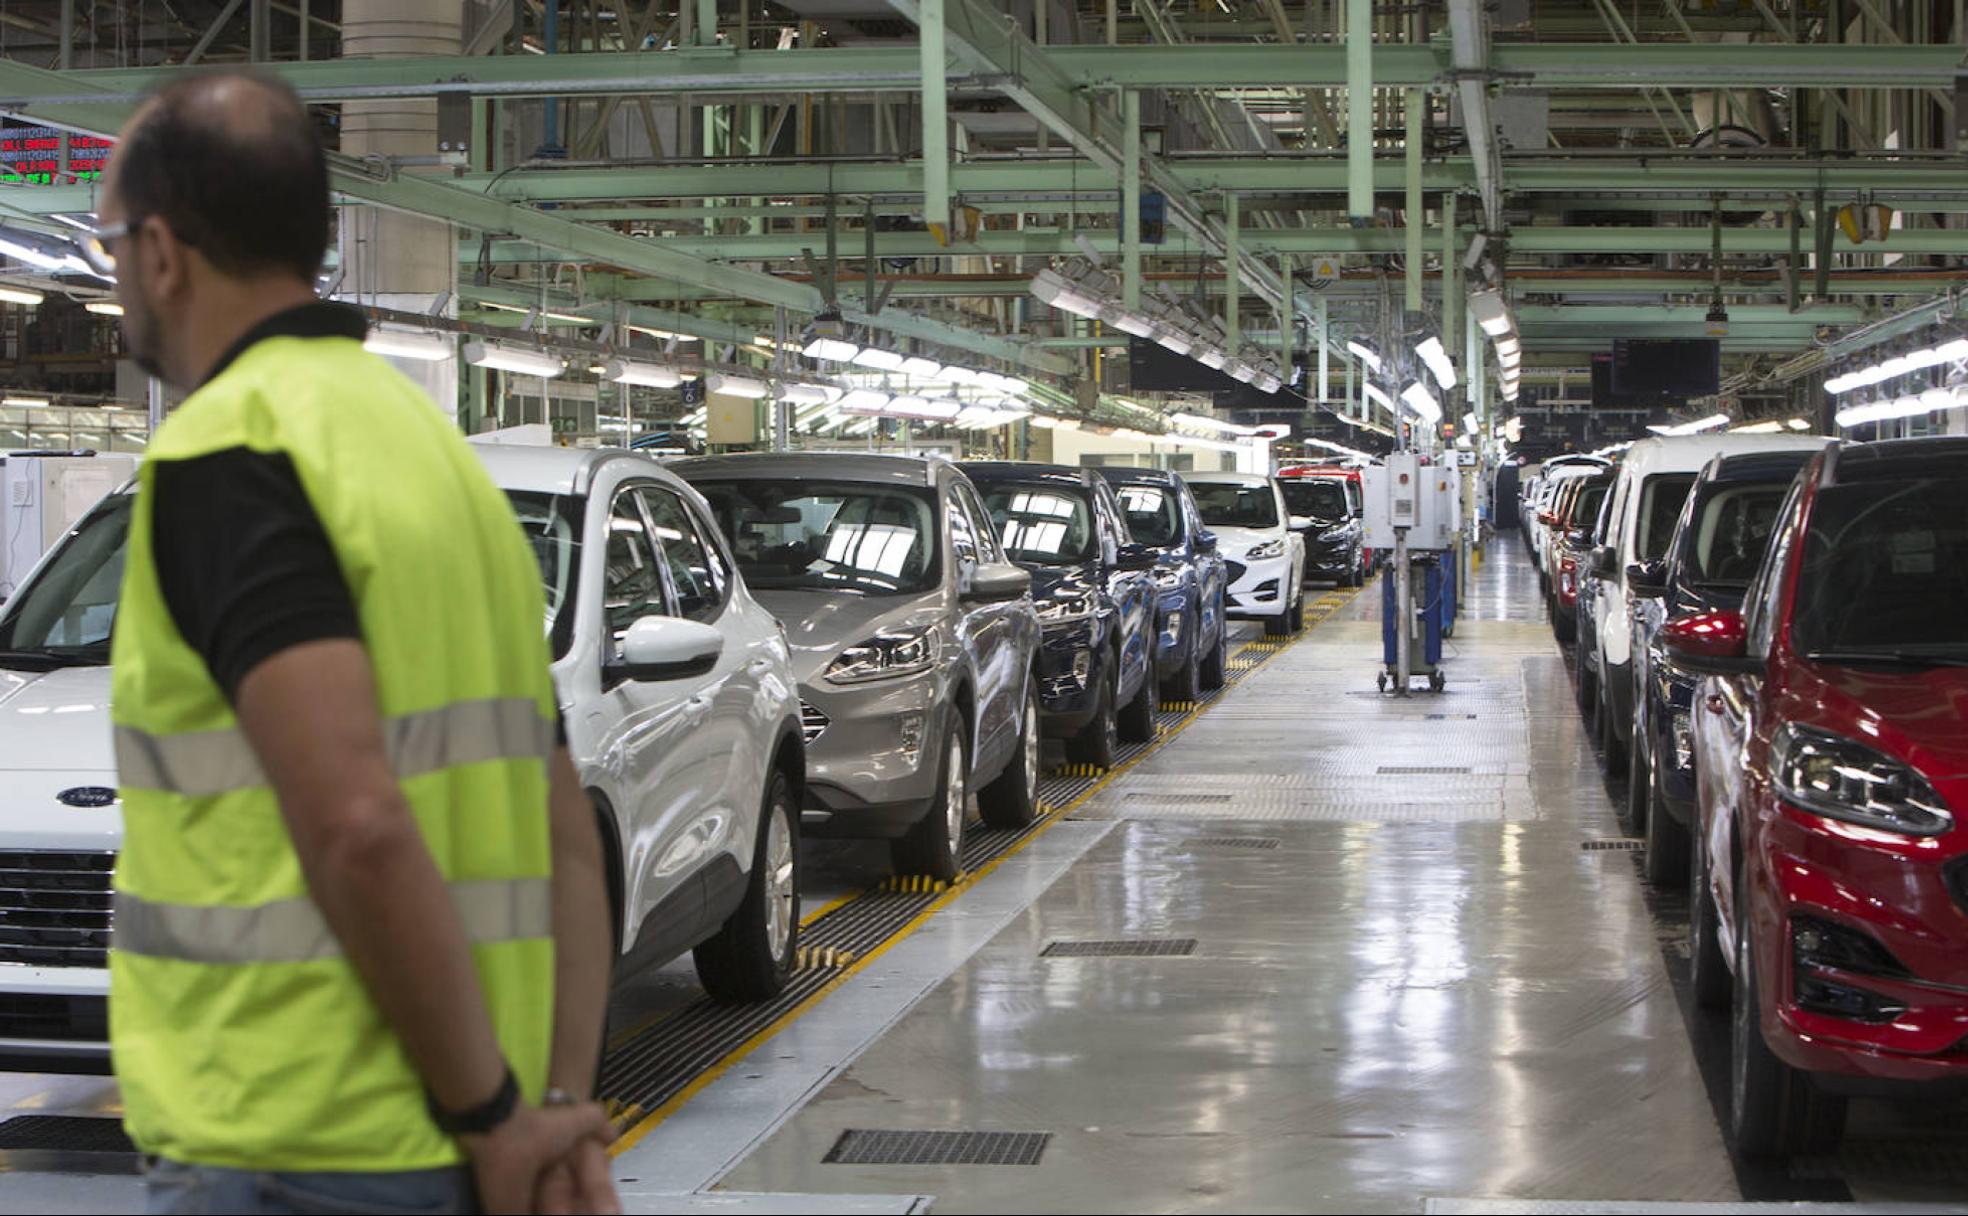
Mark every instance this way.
x=20 y=295
x=1439 y=364
x=876 y=357
x=1267 y=383
x=653 y=332
x=1241 y=372
x=1508 y=346
x=833 y=350
x=1211 y=357
x=1767 y=427
x=736 y=386
x=1491 y=312
x=1364 y=353
x=916 y=365
x=104 y=308
x=863 y=400
x=1055 y=289
x=1134 y=323
x=1469 y=421
x=807 y=394
x=1422 y=402
x=649 y=375
x=1006 y=384
x=1173 y=340
x=29 y=403
x=1212 y=424
x=1374 y=393
x=404 y=345
x=1696 y=427
x=1051 y=423
x=924 y=407
x=958 y=375
x=1798 y=424
x=513 y=359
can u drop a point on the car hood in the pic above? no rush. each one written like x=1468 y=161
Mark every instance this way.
x=820 y=624
x=1235 y=541
x=55 y=736
x=1920 y=715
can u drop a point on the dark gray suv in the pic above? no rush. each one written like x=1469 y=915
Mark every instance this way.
x=914 y=641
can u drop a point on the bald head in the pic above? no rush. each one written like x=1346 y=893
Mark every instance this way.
x=230 y=163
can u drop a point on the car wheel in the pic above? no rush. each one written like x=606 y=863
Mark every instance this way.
x=1774 y=1109
x=1708 y=970
x=935 y=845
x=1189 y=677
x=1665 y=862
x=1634 y=813
x=1609 y=742
x=1099 y=742
x=1565 y=627
x=1138 y=717
x=1588 y=685
x=1012 y=801
x=1216 y=663
x=1296 y=614
x=752 y=955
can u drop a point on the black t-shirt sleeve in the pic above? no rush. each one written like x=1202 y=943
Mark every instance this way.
x=244 y=565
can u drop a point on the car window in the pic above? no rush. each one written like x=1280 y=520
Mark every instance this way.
x=1884 y=567
x=1585 y=511
x=70 y=608
x=1153 y=512
x=1322 y=500
x=632 y=580
x=963 y=531
x=1766 y=588
x=1046 y=524
x=697 y=575
x=829 y=536
x=552 y=524
x=1730 y=531
x=1230 y=505
x=1661 y=499
x=988 y=548
x=1109 y=510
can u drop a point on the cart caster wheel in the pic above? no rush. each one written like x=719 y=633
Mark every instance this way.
x=1437 y=681
x=1381 y=680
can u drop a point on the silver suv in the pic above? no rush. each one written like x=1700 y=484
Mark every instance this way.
x=914 y=641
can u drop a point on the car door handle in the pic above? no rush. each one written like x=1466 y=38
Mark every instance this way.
x=758 y=666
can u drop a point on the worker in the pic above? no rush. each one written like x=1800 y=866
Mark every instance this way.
x=361 y=945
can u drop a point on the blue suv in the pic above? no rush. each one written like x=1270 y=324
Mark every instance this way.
x=1191 y=631
x=1096 y=600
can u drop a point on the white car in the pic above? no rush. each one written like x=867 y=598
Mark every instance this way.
x=676 y=687
x=1263 y=557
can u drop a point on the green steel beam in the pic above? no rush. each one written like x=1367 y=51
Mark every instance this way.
x=1567 y=65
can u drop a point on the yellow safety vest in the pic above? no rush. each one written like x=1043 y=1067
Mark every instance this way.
x=242 y=1036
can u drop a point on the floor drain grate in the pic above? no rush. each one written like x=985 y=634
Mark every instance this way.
x=1176 y=799
x=1624 y=843
x=65 y=1134
x=859 y=1146
x=1930 y=1161
x=1236 y=842
x=1422 y=770
x=1145 y=947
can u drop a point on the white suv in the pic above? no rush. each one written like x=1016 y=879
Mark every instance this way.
x=1263 y=547
x=676 y=688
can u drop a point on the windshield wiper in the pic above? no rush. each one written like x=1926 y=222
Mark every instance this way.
x=49 y=658
x=1888 y=658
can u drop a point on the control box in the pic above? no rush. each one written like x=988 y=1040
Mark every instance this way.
x=41 y=497
x=1392 y=495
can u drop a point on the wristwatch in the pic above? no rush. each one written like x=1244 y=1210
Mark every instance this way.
x=480 y=1119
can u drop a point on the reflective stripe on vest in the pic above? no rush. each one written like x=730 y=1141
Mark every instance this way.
x=207 y=763
x=294 y=931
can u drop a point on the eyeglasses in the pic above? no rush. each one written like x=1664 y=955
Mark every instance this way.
x=93 y=245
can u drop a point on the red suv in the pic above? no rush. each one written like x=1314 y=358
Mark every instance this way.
x=1831 y=761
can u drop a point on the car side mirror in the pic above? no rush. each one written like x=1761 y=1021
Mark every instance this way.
x=1301 y=523
x=665 y=648
x=997 y=583
x=1647 y=580
x=1605 y=562
x=1206 y=541
x=1136 y=557
x=1582 y=537
x=1710 y=644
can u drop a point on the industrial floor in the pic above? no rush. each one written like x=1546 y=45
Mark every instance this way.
x=1320 y=950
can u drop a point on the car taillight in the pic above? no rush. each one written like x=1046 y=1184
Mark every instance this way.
x=1568 y=580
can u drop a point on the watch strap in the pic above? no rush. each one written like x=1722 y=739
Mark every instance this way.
x=480 y=1119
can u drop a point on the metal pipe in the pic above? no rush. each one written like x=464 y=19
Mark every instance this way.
x=1359 y=110
x=550 y=42
x=1233 y=272
x=1412 y=221
x=935 y=119
x=1131 y=201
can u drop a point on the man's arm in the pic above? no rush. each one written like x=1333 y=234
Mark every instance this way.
x=582 y=937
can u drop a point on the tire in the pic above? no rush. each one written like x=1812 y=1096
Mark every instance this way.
x=1137 y=718
x=751 y=956
x=1565 y=627
x=1633 y=812
x=1295 y=615
x=1012 y=801
x=1216 y=664
x=935 y=845
x=1708 y=970
x=1665 y=862
x=1099 y=741
x=1774 y=1110
x=1588 y=683
x=1279 y=626
x=1609 y=742
x=1188 y=684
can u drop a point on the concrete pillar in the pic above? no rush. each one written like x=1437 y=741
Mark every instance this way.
x=392 y=260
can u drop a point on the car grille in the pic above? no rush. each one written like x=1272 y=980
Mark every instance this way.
x=1233 y=573
x=54 y=908
x=812 y=721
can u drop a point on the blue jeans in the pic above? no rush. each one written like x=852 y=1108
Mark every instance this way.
x=171 y=1187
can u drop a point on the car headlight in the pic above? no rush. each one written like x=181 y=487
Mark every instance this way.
x=1069 y=608
x=1339 y=531
x=1269 y=548
x=1838 y=778
x=1167 y=578
x=883 y=657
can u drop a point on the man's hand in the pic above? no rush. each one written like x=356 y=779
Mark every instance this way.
x=545 y=1155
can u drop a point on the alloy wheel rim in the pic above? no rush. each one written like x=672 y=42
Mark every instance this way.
x=1031 y=751
x=1739 y=1028
x=953 y=796
x=782 y=888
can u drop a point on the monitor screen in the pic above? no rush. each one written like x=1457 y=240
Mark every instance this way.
x=1666 y=368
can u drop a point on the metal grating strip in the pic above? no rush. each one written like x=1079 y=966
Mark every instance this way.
x=861 y=1146
x=1621 y=844
x=1174 y=799
x=1421 y=770
x=1143 y=947
x=1234 y=842
x=65 y=1133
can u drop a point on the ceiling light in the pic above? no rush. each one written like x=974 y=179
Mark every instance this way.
x=1134 y=323
x=876 y=357
x=1508 y=346
x=807 y=394
x=864 y=400
x=916 y=365
x=513 y=359
x=1422 y=402
x=1212 y=424
x=1051 y=423
x=1267 y=383
x=1241 y=372
x=1767 y=427
x=1364 y=353
x=649 y=375
x=1798 y=424
x=1692 y=428
x=1375 y=393
x=104 y=308
x=1211 y=357
x=958 y=375
x=736 y=386
x=832 y=349
x=1491 y=312
x=1174 y=340
x=29 y=403
x=1439 y=364
x=1469 y=421
x=404 y=345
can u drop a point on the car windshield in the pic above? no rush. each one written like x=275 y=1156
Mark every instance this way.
x=1048 y=525
x=64 y=616
x=1885 y=569
x=1322 y=500
x=1585 y=512
x=552 y=523
x=1153 y=515
x=801 y=535
x=1227 y=504
x=1729 y=532
x=1661 y=500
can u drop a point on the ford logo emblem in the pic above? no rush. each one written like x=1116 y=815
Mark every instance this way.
x=87 y=795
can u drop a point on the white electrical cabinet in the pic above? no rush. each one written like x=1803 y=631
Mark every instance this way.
x=1441 y=508
x=1423 y=499
x=41 y=497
